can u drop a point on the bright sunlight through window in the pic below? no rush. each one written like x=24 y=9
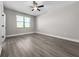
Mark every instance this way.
x=23 y=21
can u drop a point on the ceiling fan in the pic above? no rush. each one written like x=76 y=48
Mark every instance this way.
x=36 y=7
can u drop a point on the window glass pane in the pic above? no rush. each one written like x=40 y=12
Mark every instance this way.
x=27 y=19
x=27 y=24
x=20 y=24
x=22 y=21
x=19 y=18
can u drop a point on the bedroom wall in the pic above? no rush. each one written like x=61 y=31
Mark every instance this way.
x=60 y=22
x=11 y=28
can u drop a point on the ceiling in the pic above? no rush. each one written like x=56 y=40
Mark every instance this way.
x=24 y=6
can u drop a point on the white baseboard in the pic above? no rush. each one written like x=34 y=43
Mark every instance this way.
x=70 y=39
x=19 y=34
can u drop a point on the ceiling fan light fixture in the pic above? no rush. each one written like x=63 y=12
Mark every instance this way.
x=35 y=8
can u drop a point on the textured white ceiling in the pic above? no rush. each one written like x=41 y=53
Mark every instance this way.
x=24 y=6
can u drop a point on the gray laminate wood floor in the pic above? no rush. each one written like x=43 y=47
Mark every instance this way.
x=37 y=45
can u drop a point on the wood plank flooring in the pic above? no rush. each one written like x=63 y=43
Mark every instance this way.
x=37 y=45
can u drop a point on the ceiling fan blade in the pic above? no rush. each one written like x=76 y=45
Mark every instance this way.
x=40 y=6
x=38 y=9
x=32 y=9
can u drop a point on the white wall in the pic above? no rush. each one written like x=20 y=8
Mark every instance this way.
x=11 y=28
x=61 y=22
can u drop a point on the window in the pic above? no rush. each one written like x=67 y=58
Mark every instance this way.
x=27 y=21
x=19 y=21
x=22 y=21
